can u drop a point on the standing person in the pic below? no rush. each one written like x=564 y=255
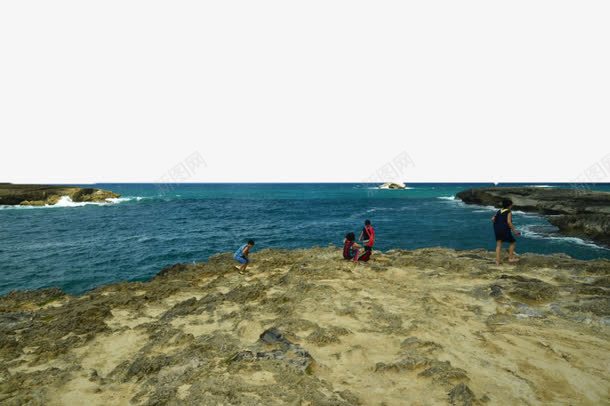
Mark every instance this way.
x=241 y=255
x=350 y=247
x=503 y=224
x=367 y=236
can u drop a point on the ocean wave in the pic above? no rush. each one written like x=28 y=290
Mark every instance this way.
x=522 y=214
x=446 y=198
x=542 y=186
x=528 y=232
x=66 y=201
x=378 y=188
x=120 y=199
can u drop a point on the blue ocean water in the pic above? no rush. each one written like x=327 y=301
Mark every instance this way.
x=78 y=247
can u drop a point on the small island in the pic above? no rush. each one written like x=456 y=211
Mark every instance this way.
x=48 y=195
x=393 y=185
x=584 y=214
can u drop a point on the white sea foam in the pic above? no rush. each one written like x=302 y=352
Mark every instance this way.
x=485 y=209
x=446 y=198
x=523 y=214
x=526 y=231
x=121 y=199
x=542 y=186
x=66 y=201
x=378 y=188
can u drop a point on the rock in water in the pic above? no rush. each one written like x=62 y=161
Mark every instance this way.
x=392 y=185
x=41 y=195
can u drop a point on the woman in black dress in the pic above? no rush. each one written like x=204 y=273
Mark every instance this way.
x=503 y=225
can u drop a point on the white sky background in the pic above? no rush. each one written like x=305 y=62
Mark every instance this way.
x=309 y=91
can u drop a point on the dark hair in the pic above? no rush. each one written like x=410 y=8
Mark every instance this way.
x=350 y=236
x=367 y=222
x=250 y=242
x=506 y=203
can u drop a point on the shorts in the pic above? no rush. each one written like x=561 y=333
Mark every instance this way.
x=368 y=251
x=505 y=236
x=242 y=260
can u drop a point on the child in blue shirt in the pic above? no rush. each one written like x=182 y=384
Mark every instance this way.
x=241 y=255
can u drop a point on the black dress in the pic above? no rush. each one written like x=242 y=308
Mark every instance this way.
x=501 y=227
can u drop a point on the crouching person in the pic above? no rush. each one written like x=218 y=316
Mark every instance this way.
x=350 y=247
x=241 y=255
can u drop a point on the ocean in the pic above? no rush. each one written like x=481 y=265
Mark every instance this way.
x=77 y=247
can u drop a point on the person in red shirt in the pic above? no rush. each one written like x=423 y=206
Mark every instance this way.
x=367 y=236
x=350 y=247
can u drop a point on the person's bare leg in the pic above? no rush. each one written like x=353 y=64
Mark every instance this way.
x=356 y=255
x=511 y=253
x=498 y=251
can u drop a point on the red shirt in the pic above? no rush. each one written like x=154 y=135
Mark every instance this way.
x=368 y=233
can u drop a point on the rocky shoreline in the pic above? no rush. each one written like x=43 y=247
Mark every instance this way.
x=303 y=327
x=584 y=214
x=43 y=195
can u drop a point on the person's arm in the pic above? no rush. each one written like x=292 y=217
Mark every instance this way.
x=361 y=234
x=356 y=246
x=511 y=225
x=493 y=219
x=246 y=251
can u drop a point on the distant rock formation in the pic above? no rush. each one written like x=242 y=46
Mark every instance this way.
x=392 y=185
x=581 y=214
x=41 y=195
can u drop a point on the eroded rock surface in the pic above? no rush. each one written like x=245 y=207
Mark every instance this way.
x=303 y=327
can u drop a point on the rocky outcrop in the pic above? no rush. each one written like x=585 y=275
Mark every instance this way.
x=392 y=185
x=41 y=195
x=583 y=214
x=430 y=326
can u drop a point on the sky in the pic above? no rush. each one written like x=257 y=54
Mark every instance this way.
x=316 y=91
